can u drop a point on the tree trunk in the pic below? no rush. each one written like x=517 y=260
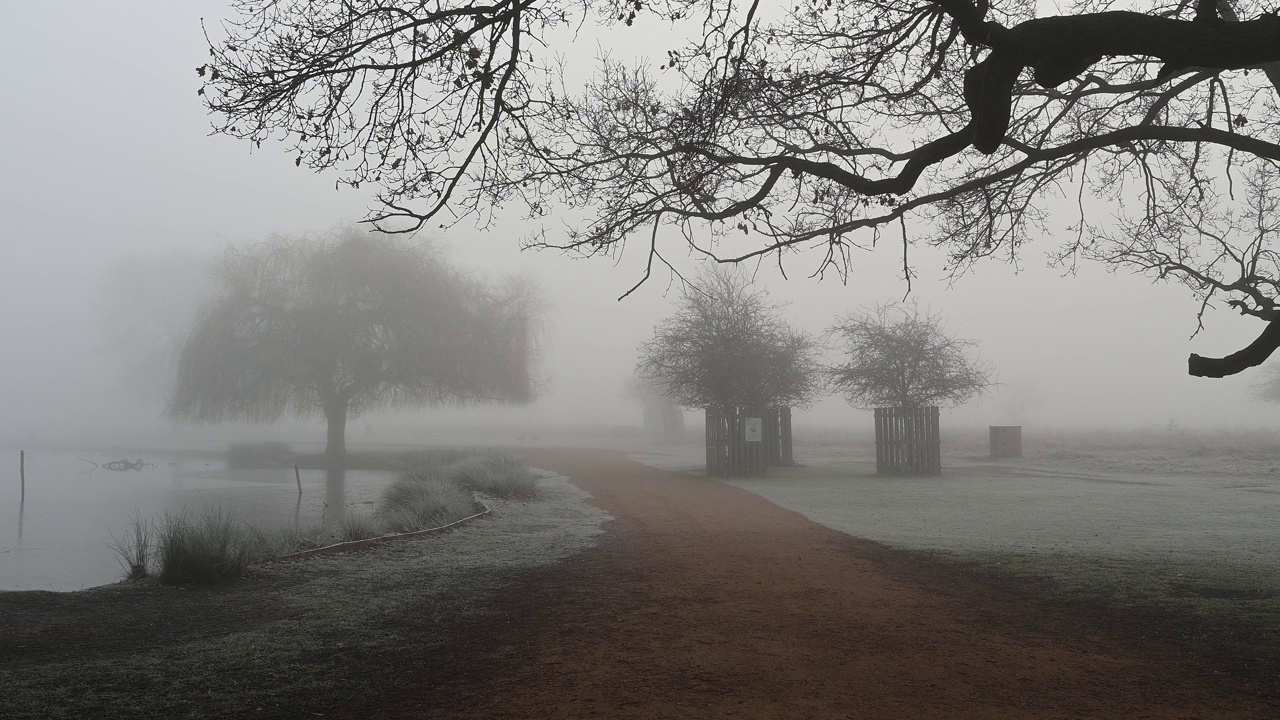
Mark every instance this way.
x=336 y=415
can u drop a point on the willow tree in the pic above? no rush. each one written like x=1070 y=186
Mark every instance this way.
x=777 y=127
x=350 y=323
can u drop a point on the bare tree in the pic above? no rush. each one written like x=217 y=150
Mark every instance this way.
x=1267 y=387
x=775 y=128
x=727 y=346
x=348 y=323
x=900 y=357
x=663 y=418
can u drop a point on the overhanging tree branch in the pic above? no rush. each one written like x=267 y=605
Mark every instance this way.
x=1251 y=356
x=772 y=130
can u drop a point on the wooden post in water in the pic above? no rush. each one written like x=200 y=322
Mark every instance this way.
x=22 y=472
x=298 y=477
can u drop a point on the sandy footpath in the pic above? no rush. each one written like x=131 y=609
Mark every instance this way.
x=704 y=600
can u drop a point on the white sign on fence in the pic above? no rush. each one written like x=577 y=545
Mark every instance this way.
x=755 y=429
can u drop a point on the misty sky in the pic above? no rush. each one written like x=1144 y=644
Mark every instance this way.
x=106 y=156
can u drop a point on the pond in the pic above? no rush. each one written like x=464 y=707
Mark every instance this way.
x=59 y=537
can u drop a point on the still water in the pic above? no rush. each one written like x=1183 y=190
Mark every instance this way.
x=59 y=536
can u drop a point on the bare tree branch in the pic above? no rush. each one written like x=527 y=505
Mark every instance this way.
x=773 y=129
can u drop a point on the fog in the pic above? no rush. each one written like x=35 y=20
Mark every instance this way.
x=107 y=163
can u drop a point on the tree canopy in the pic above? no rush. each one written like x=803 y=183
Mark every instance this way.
x=348 y=323
x=727 y=346
x=759 y=129
x=900 y=357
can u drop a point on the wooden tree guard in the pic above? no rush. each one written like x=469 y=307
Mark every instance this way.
x=907 y=441
x=772 y=441
x=787 y=456
x=728 y=452
x=778 y=450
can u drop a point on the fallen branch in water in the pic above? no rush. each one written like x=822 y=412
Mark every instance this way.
x=119 y=465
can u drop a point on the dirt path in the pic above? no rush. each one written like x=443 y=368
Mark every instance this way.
x=705 y=601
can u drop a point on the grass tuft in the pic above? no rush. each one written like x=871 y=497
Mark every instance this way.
x=421 y=500
x=211 y=548
x=134 y=550
x=499 y=476
x=358 y=526
x=274 y=543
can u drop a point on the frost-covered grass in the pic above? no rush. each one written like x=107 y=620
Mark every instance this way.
x=421 y=500
x=275 y=542
x=496 y=476
x=208 y=548
x=135 y=548
x=358 y=526
x=327 y=619
x=1168 y=449
x=215 y=546
x=1211 y=520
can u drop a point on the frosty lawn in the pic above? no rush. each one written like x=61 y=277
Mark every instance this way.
x=282 y=640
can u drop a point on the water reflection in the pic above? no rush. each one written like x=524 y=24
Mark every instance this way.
x=335 y=493
x=60 y=540
x=297 y=506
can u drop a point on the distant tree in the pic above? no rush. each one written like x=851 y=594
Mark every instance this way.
x=663 y=418
x=1021 y=399
x=728 y=346
x=349 y=323
x=1267 y=387
x=900 y=357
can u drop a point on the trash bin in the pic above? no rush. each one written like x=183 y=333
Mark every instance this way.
x=1006 y=441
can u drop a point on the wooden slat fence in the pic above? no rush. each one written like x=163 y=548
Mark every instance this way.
x=907 y=441
x=787 y=456
x=728 y=452
x=778 y=450
x=770 y=442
